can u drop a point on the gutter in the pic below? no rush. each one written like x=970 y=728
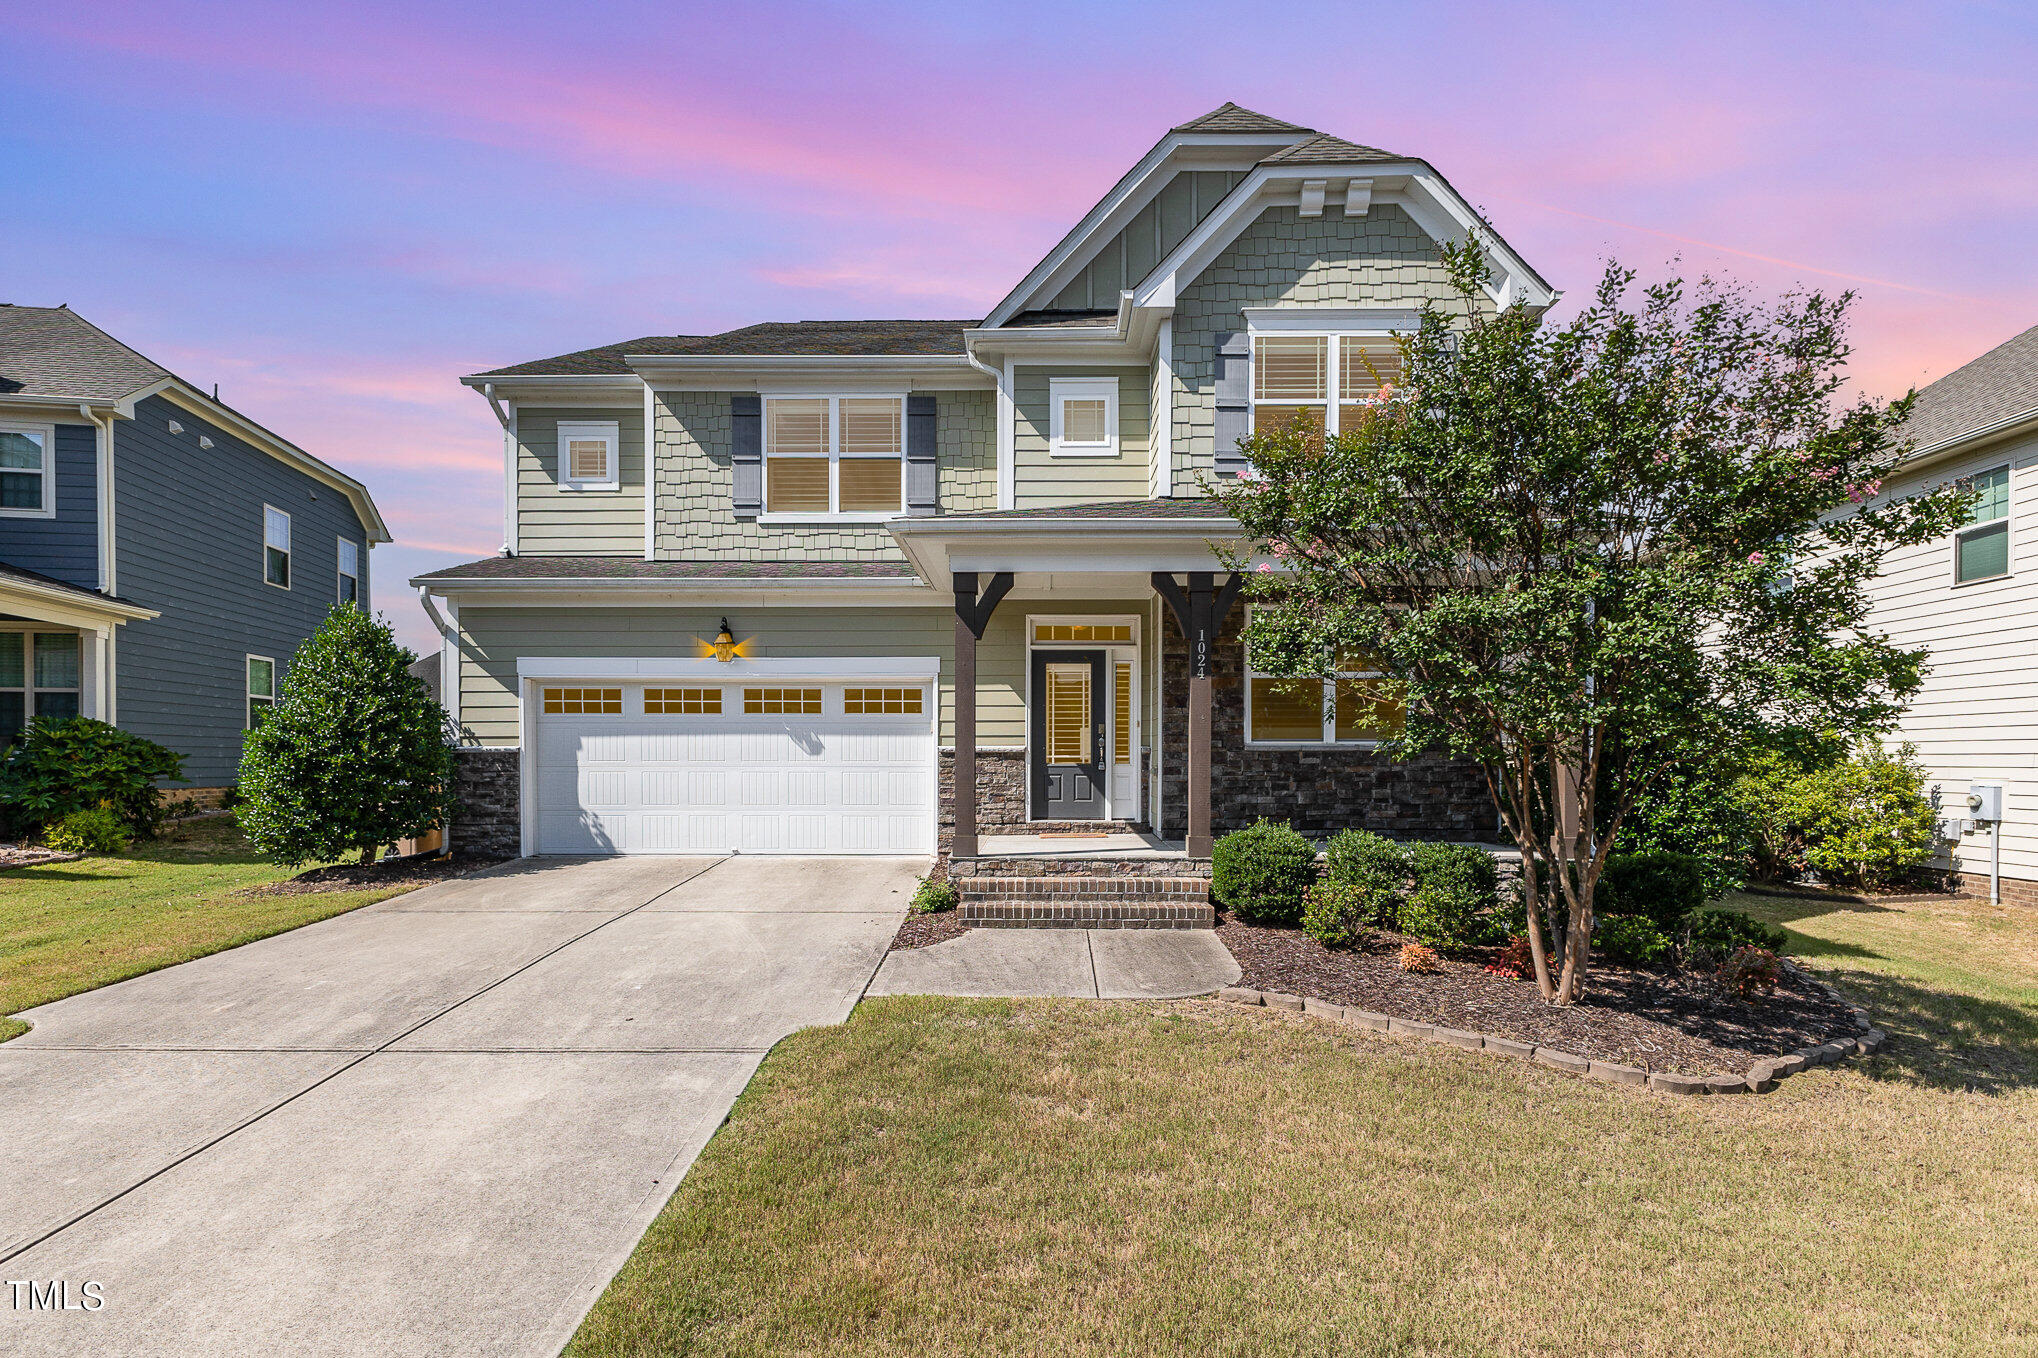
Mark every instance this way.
x=2009 y=424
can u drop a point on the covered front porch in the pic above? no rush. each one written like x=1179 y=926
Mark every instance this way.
x=57 y=650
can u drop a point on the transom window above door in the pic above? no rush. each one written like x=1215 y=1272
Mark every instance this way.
x=1323 y=380
x=1106 y=633
x=835 y=455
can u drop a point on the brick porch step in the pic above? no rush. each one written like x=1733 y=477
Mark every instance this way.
x=1086 y=902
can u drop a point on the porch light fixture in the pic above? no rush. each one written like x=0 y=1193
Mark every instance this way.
x=725 y=643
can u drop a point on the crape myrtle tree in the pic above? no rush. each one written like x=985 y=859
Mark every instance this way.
x=1591 y=554
x=353 y=755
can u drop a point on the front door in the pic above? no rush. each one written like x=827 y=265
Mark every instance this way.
x=1068 y=735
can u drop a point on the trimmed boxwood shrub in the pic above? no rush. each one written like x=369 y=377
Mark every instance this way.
x=1260 y=873
x=1657 y=885
x=1375 y=868
x=1455 y=898
x=932 y=897
x=1336 y=914
x=1723 y=931
x=66 y=764
x=1631 y=939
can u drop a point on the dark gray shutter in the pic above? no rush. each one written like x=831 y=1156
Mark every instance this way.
x=746 y=453
x=1234 y=389
x=921 y=491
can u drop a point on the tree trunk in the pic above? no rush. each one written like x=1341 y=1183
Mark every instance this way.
x=368 y=855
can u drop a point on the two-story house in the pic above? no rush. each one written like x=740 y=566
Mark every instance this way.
x=162 y=556
x=1971 y=598
x=887 y=586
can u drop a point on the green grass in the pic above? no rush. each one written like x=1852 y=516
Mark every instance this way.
x=1053 y=1177
x=67 y=927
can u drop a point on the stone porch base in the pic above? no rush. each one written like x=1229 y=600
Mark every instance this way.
x=1088 y=898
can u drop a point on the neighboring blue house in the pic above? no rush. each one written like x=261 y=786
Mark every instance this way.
x=161 y=556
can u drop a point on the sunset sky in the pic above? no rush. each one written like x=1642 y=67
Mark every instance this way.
x=334 y=211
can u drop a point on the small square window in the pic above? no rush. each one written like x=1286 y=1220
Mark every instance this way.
x=589 y=455
x=276 y=547
x=1082 y=417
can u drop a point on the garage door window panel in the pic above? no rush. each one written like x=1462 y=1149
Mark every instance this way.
x=790 y=702
x=584 y=702
x=890 y=702
x=683 y=701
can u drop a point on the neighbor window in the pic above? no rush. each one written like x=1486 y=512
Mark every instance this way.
x=584 y=702
x=261 y=688
x=1982 y=549
x=39 y=677
x=1357 y=704
x=275 y=546
x=1082 y=416
x=782 y=701
x=881 y=701
x=350 y=571
x=1324 y=380
x=589 y=458
x=28 y=483
x=834 y=455
x=683 y=701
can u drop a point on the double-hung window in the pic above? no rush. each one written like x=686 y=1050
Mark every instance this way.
x=28 y=482
x=276 y=546
x=590 y=455
x=1082 y=417
x=350 y=571
x=1322 y=380
x=261 y=688
x=1355 y=704
x=841 y=456
x=1981 y=551
x=39 y=677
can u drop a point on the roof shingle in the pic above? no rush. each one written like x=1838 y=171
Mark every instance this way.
x=1998 y=386
x=769 y=339
x=1329 y=150
x=1229 y=117
x=53 y=351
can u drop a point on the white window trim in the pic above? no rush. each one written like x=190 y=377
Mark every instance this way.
x=610 y=432
x=1114 y=652
x=340 y=563
x=289 y=551
x=248 y=684
x=1329 y=681
x=835 y=459
x=28 y=689
x=2009 y=536
x=1062 y=389
x=48 y=433
x=1260 y=327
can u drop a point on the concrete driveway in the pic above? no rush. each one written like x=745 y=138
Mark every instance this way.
x=433 y=1126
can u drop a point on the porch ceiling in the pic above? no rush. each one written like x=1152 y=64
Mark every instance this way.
x=1064 y=545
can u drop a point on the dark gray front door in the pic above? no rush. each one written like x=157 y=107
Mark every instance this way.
x=1068 y=735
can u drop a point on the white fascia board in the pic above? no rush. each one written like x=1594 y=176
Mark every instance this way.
x=831 y=372
x=187 y=397
x=1932 y=452
x=603 y=389
x=42 y=405
x=1064 y=546
x=65 y=608
x=927 y=667
x=581 y=594
x=1134 y=338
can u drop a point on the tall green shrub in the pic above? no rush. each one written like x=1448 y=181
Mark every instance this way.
x=1659 y=886
x=1861 y=819
x=1376 y=870
x=1260 y=873
x=353 y=756
x=1456 y=893
x=69 y=764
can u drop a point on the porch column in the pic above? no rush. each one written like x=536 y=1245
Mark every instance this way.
x=1200 y=614
x=972 y=615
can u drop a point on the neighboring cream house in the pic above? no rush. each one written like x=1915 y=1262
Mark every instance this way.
x=773 y=590
x=1972 y=597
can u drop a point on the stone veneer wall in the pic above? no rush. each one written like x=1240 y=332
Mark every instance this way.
x=1318 y=791
x=487 y=820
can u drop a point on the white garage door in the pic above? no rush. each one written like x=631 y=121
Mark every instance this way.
x=688 y=767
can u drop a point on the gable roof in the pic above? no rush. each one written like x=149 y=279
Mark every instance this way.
x=599 y=361
x=791 y=339
x=53 y=351
x=1325 y=149
x=1229 y=117
x=1997 y=389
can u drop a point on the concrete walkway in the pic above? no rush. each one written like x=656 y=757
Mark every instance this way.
x=1099 y=964
x=433 y=1126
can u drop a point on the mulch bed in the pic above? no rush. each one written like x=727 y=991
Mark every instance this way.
x=1656 y=1020
x=416 y=870
x=920 y=930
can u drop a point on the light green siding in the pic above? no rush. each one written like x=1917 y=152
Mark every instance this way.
x=1382 y=259
x=695 y=522
x=1128 y=257
x=1040 y=479
x=551 y=521
x=494 y=639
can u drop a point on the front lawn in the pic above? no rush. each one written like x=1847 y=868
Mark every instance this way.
x=67 y=927
x=961 y=1177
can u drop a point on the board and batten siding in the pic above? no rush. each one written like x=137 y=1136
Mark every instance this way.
x=66 y=547
x=552 y=521
x=1976 y=717
x=492 y=640
x=1040 y=479
x=695 y=521
x=188 y=534
x=1128 y=257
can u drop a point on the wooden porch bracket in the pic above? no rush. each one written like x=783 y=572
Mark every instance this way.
x=1200 y=613
x=972 y=615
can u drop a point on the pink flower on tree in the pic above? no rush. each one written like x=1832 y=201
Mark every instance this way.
x=1756 y=558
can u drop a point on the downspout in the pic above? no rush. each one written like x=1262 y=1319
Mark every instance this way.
x=507 y=419
x=1005 y=440
x=108 y=581
x=449 y=644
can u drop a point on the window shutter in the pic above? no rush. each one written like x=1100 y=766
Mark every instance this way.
x=1234 y=400
x=921 y=492
x=746 y=453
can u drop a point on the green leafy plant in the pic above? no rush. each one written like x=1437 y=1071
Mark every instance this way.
x=1375 y=867
x=1658 y=885
x=1337 y=914
x=932 y=897
x=1260 y=873
x=1594 y=551
x=96 y=829
x=1455 y=897
x=1633 y=940
x=1722 y=931
x=353 y=756
x=75 y=763
x=1748 y=971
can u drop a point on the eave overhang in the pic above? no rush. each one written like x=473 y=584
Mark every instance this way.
x=940 y=546
x=65 y=606
x=744 y=372
x=2010 y=426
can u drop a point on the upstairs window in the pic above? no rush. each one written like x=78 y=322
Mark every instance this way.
x=1082 y=417
x=350 y=571
x=1981 y=551
x=835 y=455
x=28 y=483
x=276 y=547
x=1324 y=380
x=589 y=455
